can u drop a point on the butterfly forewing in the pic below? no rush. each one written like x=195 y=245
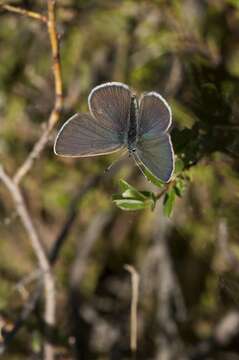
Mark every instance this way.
x=110 y=105
x=154 y=114
x=157 y=156
x=84 y=135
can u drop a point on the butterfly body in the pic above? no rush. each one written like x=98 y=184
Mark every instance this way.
x=118 y=120
x=133 y=125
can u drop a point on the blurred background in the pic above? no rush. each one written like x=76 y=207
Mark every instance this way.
x=188 y=263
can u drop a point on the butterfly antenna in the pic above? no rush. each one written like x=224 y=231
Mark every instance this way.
x=115 y=161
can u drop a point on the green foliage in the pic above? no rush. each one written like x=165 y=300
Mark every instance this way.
x=168 y=202
x=132 y=199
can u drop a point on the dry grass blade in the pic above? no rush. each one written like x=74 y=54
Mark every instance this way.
x=134 y=307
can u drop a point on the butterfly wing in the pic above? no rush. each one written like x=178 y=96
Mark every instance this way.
x=155 y=115
x=102 y=131
x=154 y=147
x=110 y=104
x=157 y=156
x=82 y=135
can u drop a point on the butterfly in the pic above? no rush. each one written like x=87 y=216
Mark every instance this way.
x=119 y=120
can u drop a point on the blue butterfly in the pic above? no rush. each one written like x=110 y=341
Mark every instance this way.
x=118 y=120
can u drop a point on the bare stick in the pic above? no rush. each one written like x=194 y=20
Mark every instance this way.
x=53 y=256
x=12 y=184
x=34 y=154
x=48 y=280
x=18 y=10
x=55 y=48
x=26 y=219
x=58 y=104
x=134 y=306
x=167 y=187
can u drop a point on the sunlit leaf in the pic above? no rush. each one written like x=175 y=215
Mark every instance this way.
x=132 y=199
x=128 y=191
x=129 y=204
x=168 y=202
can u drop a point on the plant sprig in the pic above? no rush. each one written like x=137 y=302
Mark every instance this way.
x=131 y=199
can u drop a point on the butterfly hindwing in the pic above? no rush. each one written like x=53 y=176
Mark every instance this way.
x=154 y=147
x=157 y=156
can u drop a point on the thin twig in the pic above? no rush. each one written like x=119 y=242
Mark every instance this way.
x=44 y=265
x=34 y=154
x=28 y=13
x=55 y=47
x=134 y=306
x=25 y=217
x=12 y=185
x=165 y=189
x=58 y=104
x=53 y=256
x=35 y=275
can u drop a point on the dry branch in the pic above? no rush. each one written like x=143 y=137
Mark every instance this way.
x=28 y=13
x=58 y=104
x=37 y=246
x=54 y=253
x=50 y=20
x=13 y=184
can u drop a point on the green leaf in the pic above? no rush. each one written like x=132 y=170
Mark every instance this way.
x=129 y=204
x=124 y=185
x=151 y=178
x=168 y=203
x=132 y=199
x=128 y=191
x=133 y=194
